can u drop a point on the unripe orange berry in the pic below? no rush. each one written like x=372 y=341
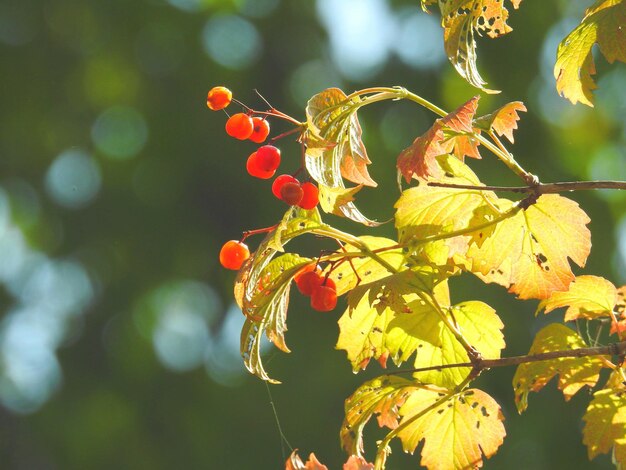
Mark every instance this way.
x=233 y=254
x=218 y=98
x=260 y=131
x=239 y=126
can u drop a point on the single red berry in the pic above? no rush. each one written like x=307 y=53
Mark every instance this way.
x=260 y=130
x=310 y=196
x=328 y=282
x=323 y=299
x=233 y=254
x=254 y=168
x=218 y=98
x=291 y=193
x=308 y=282
x=280 y=181
x=269 y=157
x=239 y=126
x=307 y=268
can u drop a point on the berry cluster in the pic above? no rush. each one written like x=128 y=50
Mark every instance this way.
x=263 y=163
x=321 y=289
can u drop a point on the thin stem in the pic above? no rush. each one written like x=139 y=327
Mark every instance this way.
x=540 y=188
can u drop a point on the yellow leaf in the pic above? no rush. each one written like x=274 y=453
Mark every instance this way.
x=503 y=121
x=605 y=24
x=587 y=297
x=528 y=253
x=605 y=424
x=574 y=373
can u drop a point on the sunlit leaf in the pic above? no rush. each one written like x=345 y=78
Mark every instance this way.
x=334 y=149
x=423 y=212
x=365 y=269
x=502 y=121
x=336 y=200
x=457 y=432
x=587 y=297
x=357 y=463
x=574 y=373
x=605 y=424
x=423 y=333
x=528 y=253
x=461 y=19
x=604 y=25
x=446 y=135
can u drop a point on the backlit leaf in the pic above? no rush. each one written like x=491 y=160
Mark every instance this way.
x=605 y=424
x=603 y=24
x=424 y=212
x=460 y=20
x=502 y=121
x=587 y=297
x=446 y=135
x=528 y=253
x=334 y=149
x=294 y=462
x=458 y=429
x=574 y=373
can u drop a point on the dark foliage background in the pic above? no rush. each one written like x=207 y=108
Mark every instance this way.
x=118 y=334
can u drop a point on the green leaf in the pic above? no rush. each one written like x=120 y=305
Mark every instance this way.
x=457 y=428
x=605 y=424
x=587 y=297
x=574 y=373
x=528 y=252
x=603 y=24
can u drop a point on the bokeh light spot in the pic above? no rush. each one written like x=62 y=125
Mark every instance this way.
x=231 y=41
x=120 y=132
x=419 y=43
x=73 y=180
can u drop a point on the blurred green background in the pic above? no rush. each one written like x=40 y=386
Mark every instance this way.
x=118 y=332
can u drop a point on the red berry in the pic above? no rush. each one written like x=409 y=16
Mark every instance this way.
x=269 y=157
x=291 y=193
x=233 y=254
x=239 y=126
x=324 y=298
x=310 y=196
x=218 y=98
x=328 y=282
x=260 y=130
x=280 y=181
x=254 y=168
x=308 y=282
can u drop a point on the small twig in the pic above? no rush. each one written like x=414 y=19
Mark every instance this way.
x=540 y=188
x=613 y=349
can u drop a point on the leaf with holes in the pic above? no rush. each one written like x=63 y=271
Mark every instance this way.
x=461 y=19
x=502 y=121
x=603 y=24
x=587 y=297
x=605 y=424
x=458 y=429
x=528 y=252
x=450 y=134
x=574 y=373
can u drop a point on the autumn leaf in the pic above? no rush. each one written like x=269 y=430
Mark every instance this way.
x=357 y=463
x=425 y=212
x=446 y=135
x=461 y=19
x=502 y=121
x=603 y=24
x=294 y=462
x=334 y=149
x=336 y=200
x=605 y=424
x=528 y=252
x=574 y=373
x=457 y=428
x=587 y=297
